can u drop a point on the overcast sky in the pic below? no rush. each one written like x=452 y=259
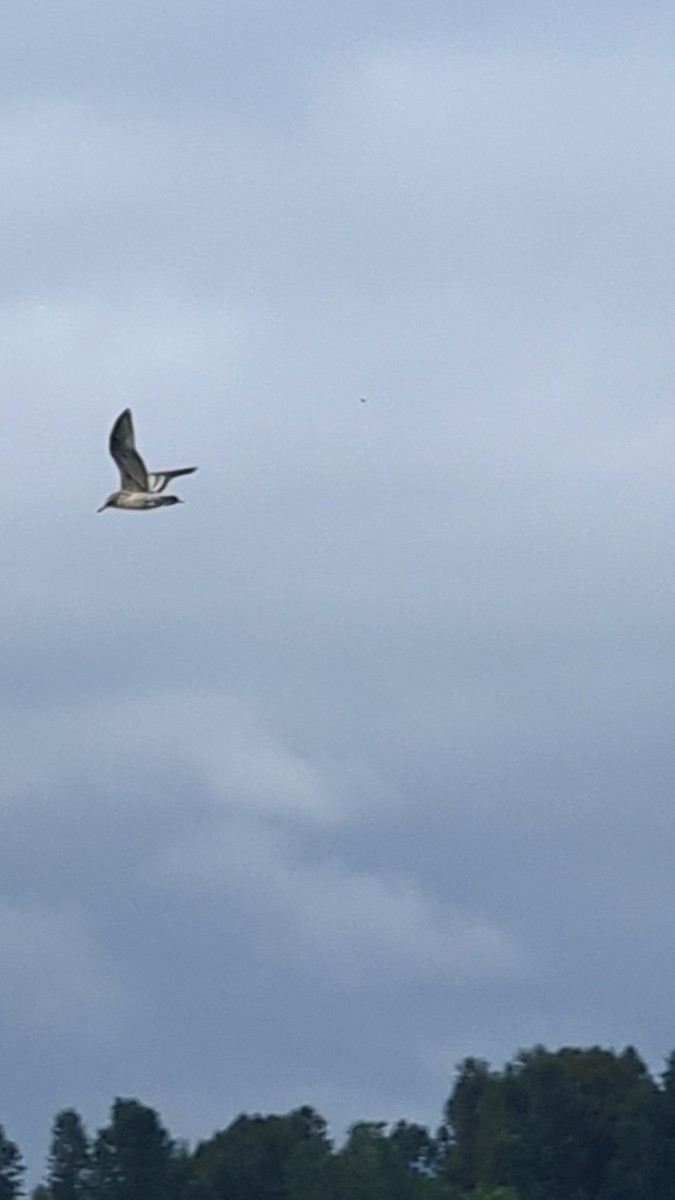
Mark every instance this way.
x=364 y=759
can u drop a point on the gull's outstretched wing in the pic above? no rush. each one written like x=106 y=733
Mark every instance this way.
x=157 y=480
x=133 y=475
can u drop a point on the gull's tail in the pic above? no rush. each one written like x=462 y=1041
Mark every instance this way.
x=158 y=480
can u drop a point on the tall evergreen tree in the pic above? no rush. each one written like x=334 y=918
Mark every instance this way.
x=11 y=1168
x=69 y=1163
x=132 y=1158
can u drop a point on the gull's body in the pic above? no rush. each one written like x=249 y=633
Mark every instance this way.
x=140 y=489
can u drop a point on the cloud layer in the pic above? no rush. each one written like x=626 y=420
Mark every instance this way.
x=361 y=760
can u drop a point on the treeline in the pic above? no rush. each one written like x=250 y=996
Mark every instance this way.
x=570 y=1124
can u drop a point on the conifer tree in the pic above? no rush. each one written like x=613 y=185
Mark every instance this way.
x=69 y=1163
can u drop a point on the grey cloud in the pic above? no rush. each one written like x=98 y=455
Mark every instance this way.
x=355 y=926
x=429 y=162
x=56 y=979
x=392 y=690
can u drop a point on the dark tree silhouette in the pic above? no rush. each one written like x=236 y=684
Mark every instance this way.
x=570 y=1124
x=133 y=1155
x=11 y=1168
x=69 y=1163
x=255 y=1156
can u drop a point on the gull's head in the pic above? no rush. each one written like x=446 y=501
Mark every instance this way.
x=109 y=502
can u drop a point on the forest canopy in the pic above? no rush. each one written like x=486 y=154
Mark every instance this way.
x=570 y=1124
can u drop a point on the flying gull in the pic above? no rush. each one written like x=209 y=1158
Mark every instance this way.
x=139 y=488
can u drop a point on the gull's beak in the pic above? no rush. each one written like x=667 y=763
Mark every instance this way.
x=101 y=508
